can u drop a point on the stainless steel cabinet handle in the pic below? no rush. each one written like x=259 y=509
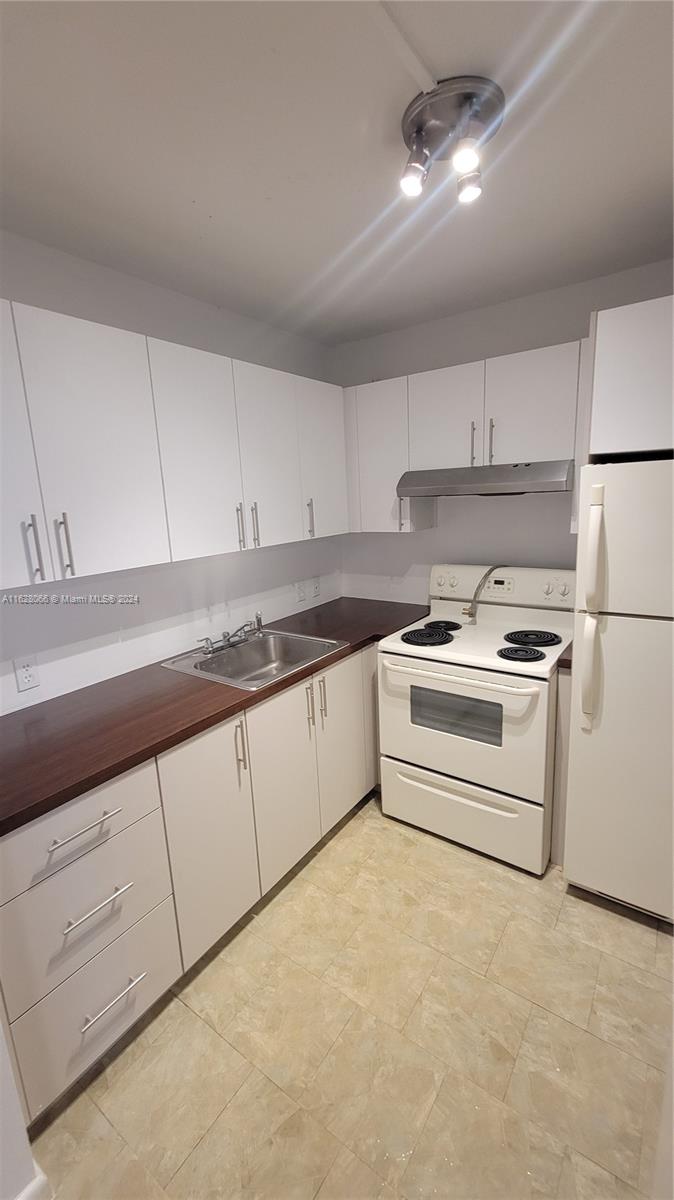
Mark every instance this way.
x=105 y=816
x=71 y=925
x=491 y=439
x=472 y=443
x=323 y=694
x=312 y=526
x=240 y=527
x=400 y=514
x=89 y=1021
x=311 y=711
x=256 y=524
x=39 y=570
x=63 y=524
x=241 y=758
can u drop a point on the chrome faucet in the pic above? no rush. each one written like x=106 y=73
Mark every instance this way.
x=234 y=639
x=471 y=610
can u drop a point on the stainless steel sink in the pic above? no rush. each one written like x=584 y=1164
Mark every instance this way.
x=260 y=660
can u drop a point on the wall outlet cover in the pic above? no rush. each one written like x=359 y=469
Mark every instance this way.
x=316 y=586
x=26 y=672
x=300 y=591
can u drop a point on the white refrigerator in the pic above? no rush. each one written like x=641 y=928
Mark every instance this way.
x=618 y=838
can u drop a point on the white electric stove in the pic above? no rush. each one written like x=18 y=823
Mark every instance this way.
x=467 y=709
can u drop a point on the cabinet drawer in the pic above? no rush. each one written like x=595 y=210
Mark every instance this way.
x=70 y=1029
x=53 y=929
x=32 y=853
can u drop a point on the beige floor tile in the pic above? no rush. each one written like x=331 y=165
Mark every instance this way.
x=289 y=1025
x=374 y=1090
x=308 y=924
x=474 y=1025
x=350 y=1179
x=458 y=922
x=335 y=864
x=610 y=927
x=474 y=1147
x=382 y=969
x=582 y=1179
x=525 y=895
x=547 y=966
x=78 y=1143
x=160 y=1021
x=262 y=1147
x=218 y=989
x=168 y=1097
x=632 y=1009
x=389 y=890
x=664 y=951
x=584 y=1091
x=125 y=1178
x=655 y=1097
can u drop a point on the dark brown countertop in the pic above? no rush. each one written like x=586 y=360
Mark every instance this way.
x=566 y=659
x=54 y=751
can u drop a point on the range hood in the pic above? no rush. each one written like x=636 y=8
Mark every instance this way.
x=505 y=479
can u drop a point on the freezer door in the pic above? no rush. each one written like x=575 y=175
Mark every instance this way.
x=625 y=538
x=619 y=800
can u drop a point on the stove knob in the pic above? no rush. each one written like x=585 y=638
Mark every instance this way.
x=548 y=589
x=453 y=581
x=564 y=589
x=441 y=581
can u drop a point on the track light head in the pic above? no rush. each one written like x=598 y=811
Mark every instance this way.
x=415 y=174
x=469 y=187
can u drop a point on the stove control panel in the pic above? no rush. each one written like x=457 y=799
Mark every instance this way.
x=536 y=587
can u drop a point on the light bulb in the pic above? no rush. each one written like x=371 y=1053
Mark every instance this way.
x=466 y=157
x=469 y=187
x=416 y=171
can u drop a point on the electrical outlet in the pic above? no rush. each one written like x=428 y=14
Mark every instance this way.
x=26 y=672
x=316 y=586
x=300 y=591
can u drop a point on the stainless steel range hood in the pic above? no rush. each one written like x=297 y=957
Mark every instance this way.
x=506 y=479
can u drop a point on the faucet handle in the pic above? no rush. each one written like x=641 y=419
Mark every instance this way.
x=208 y=644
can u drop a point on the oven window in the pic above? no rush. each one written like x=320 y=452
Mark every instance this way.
x=464 y=716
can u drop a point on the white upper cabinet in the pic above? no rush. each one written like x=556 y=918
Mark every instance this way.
x=632 y=394
x=90 y=405
x=320 y=416
x=199 y=446
x=530 y=405
x=383 y=453
x=446 y=417
x=24 y=548
x=266 y=406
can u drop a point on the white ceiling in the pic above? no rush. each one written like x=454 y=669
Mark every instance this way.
x=249 y=153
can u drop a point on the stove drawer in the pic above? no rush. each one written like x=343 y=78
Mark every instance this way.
x=492 y=729
x=505 y=828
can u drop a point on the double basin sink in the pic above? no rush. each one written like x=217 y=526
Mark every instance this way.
x=256 y=662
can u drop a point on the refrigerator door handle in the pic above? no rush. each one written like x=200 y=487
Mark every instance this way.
x=593 y=544
x=587 y=666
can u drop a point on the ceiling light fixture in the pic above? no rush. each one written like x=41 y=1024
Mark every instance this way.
x=451 y=122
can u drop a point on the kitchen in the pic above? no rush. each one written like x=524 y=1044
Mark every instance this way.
x=336 y=601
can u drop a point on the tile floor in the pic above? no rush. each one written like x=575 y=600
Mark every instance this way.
x=403 y=1019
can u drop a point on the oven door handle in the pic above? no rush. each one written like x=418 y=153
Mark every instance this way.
x=478 y=683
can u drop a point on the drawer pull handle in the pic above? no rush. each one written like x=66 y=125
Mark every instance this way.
x=92 y=913
x=89 y=1021
x=58 y=842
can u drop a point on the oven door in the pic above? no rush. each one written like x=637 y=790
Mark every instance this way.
x=482 y=726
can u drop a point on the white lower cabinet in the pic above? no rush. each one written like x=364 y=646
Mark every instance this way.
x=368 y=658
x=208 y=809
x=282 y=740
x=57 y=1039
x=340 y=742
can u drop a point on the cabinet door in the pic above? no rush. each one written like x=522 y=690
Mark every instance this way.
x=446 y=417
x=90 y=405
x=371 y=715
x=199 y=446
x=270 y=461
x=530 y=405
x=282 y=737
x=208 y=808
x=320 y=414
x=383 y=453
x=24 y=548
x=341 y=739
x=632 y=395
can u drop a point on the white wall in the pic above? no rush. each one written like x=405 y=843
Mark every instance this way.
x=561 y=315
x=36 y=274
